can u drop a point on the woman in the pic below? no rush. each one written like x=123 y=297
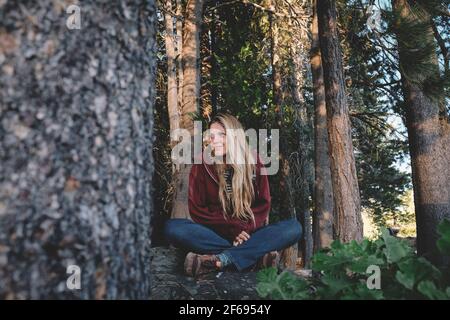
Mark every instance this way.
x=229 y=203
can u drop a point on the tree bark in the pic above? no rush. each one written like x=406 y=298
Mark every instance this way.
x=75 y=146
x=348 y=222
x=214 y=66
x=205 y=74
x=191 y=91
x=179 y=60
x=287 y=208
x=429 y=141
x=191 y=65
x=323 y=189
x=172 y=85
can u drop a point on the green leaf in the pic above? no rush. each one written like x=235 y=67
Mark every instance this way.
x=428 y=289
x=292 y=286
x=443 y=243
x=267 y=275
x=336 y=284
x=361 y=292
x=284 y=286
x=395 y=249
x=406 y=279
x=420 y=269
x=264 y=289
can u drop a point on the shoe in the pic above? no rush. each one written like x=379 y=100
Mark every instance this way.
x=196 y=265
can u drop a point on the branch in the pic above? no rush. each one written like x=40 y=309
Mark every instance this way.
x=441 y=43
x=163 y=8
x=444 y=12
x=260 y=7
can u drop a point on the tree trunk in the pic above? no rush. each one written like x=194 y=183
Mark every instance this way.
x=287 y=208
x=429 y=141
x=323 y=189
x=214 y=66
x=179 y=42
x=205 y=75
x=172 y=86
x=75 y=148
x=191 y=65
x=348 y=223
x=303 y=175
x=191 y=91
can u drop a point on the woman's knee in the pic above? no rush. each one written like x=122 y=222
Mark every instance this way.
x=174 y=230
x=293 y=230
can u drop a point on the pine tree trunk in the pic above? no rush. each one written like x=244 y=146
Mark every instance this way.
x=287 y=208
x=287 y=205
x=191 y=91
x=205 y=76
x=76 y=149
x=191 y=65
x=429 y=141
x=348 y=222
x=179 y=60
x=172 y=86
x=214 y=66
x=323 y=189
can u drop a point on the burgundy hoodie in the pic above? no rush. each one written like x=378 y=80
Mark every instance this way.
x=205 y=207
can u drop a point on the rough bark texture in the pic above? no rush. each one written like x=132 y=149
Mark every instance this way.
x=76 y=148
x=205 y=73
x=180 y=208
x=303 y=175
x=179 y=42
x=287 y=208
x=429 y=141
x=191 y=66
x=348 y=222
x=172 y=85
x=323 y=189
x=191 y=91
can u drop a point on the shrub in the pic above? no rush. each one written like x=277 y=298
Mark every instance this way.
x=342 y=272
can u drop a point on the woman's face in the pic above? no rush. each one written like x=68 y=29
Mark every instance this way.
x=218 y=139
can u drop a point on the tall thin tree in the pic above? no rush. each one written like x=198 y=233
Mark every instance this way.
x=323 y=189
x=348 y=222
x=190 y=100
x=172 y=85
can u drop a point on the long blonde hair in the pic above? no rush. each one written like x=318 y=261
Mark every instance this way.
x=239 y=158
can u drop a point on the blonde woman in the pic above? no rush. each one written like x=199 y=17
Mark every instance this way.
x=229 y=202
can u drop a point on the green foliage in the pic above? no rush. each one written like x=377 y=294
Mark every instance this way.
x=342 y=272
x=284 y=286
x=444 y=242
x=378 y=147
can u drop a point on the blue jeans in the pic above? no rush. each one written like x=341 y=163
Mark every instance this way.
x=191 y=236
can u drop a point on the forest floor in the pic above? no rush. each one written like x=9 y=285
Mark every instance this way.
x=170 y=283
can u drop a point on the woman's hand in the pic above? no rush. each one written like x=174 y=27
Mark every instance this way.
x=243 y=236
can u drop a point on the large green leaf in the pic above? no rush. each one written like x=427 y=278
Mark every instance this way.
x=444 y=242
x=428 y=289
x=406 y=279
x=395 y=249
